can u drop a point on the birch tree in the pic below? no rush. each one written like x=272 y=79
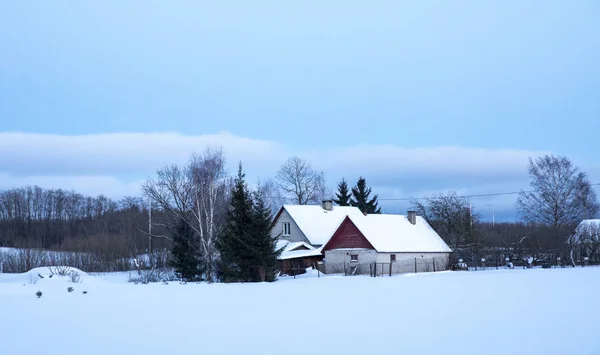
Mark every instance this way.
x=198 y=195
x=561 y=195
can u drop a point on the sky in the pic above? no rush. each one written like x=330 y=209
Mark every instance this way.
x=417 y=97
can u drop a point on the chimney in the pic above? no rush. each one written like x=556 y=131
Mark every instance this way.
x=327 y=205
x=412 y=217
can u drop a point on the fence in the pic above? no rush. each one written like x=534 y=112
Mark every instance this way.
x=417 y=265
x=521 y=264
x=377 y=269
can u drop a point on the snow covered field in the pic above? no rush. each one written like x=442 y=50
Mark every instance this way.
x=544 y=311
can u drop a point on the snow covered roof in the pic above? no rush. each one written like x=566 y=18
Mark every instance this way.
x=390 y=233
x=290 y=252
x=588 y=230
x=300 y=253
x=589 y=223
x=318 y=224
x=292 y=246
x=386 y=232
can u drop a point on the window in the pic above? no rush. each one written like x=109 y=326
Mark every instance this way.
x=354 y=257
x=392 y=257
x=286 y=229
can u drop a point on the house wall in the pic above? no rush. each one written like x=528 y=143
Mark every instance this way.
x=405 y=262
x=296 y=234
x=338 y=260
x=348 y=236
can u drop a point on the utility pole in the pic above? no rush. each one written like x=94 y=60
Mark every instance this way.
x=149 y=226
x=493 y=216
x=471 y=215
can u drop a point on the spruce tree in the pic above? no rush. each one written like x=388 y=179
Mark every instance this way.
x=263 y=246
x=184 y=256
x=360 y=198
x=233 y=242
x=343 y=195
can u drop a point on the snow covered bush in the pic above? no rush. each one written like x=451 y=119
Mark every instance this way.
x=75 y=276
x=152 y=275
x=33 y=279
x=70 y=289
x=60 y=270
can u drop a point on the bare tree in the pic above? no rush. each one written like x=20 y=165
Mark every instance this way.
x=210 y=198
x=300 y=183
x=452 y=218
x=197 y=194
x=561 y=194
x=272 y=194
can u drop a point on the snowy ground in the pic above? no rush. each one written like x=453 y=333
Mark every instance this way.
x=543 y=311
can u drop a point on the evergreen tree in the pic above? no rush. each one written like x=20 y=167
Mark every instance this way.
x=233 y=242
x=184 y=256
x=343 y=195
x=360 y=198
x=263 y=246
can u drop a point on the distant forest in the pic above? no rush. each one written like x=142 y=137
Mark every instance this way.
x=58 y=219
x=198 y=195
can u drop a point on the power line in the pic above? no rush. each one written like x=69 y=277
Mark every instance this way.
x=465 y=196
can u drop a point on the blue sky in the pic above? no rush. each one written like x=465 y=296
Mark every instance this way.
x=465 y=90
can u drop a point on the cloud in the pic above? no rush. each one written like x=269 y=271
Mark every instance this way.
x=117 y=153
x=115 y=164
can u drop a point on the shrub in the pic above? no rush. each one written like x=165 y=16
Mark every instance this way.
x=75 y=277
x=60 y=270
x=38 y=294
x=33 y=279
x=70 y=289
x=152 y=275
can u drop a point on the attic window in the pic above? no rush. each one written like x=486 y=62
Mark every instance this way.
x=354 y=257
x=286 y=229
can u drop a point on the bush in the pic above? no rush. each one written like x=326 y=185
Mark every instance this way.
x=152 y=275
x=38 y=294
x=70 y=289
x=60 y=270
x=33 y=279
x=75 y=277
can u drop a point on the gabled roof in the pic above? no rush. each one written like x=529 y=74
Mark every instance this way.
x=293 y=246
x=286 y=255
x=317 y=224
x=389 y=233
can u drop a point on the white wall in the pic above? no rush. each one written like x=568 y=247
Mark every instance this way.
x=405 y=262
x=296 y=234
x=337 y=259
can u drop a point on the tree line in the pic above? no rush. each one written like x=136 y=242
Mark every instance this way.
x=559 y=199
x=215 y=226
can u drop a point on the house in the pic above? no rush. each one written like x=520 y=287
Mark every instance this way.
x=311 y=224
x=585 y=241
x=385 y=243
x=352 y=242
